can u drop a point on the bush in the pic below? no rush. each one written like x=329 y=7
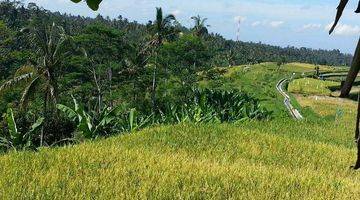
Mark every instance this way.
x=203 y=105
x=207 y=105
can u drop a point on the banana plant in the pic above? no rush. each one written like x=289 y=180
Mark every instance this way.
x=133 y=121
x=89 y=125
x=15 y=139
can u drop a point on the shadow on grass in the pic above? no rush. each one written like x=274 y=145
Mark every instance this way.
x=352 y=96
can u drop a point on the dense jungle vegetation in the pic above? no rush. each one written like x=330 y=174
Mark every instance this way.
x=68 y=78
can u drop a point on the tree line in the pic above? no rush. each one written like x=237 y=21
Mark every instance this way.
x=224 y=52
x=69 y=78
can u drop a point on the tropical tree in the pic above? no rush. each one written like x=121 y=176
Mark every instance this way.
x=41 y=76
x=11 y=53
x=280 y=61
x=105 y=48
x=200 y=26
x=163 y=28
x=230 y=57
x=5 y=39
x=355 y=66
x=186 y=57
x=354 y=70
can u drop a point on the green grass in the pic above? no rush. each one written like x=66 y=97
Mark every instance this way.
x=304 y=67
x=311 y=86
x=277 y=159
x=255 y=160
x=257 y=80
x=260 y=81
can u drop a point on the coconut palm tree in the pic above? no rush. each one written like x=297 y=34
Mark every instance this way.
x=355 y=66
x=163 y=28
x=41 y=77
x=354 y=70
x=200 y=27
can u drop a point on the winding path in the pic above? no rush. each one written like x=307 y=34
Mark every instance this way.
x=287 y=101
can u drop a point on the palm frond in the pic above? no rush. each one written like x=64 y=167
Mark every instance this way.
x=169 y=18
x=25 y=69
x=10 y=119
x=12 y=82
x=203 y=21
x=29 y=91
x=358 y=8
x=340 y=10
x=159 y=18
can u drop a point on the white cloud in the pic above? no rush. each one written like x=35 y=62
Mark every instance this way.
x=176 y=12
x=272 y=24
x=239 y=19
x=276 y=24
x=256 y=23
x=345 y=29
x=311 y=26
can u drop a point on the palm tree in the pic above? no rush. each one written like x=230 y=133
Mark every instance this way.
x=230 y=57
x=161 y=29
x=355 y=66
x=354 y=70
x=200 y=27
x=49 y=43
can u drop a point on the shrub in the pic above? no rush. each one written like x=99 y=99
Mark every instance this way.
x=14 y=137
x=206 y=105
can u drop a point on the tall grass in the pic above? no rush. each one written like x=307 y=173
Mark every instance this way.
x=256 y=160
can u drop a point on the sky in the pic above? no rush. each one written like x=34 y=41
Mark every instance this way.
x=299 y=23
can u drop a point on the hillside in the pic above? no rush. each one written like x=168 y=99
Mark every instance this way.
x=276 y=159
x=102 y=108
x=254 y=160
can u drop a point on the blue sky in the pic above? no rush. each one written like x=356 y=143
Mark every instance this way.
x=279 y=22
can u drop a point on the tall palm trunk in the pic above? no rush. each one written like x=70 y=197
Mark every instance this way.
x=354 y=70
x=50 y=101
x=154 y=79
x=357 y=134
x=44 y=114
x=98 y=88
x=153 y=90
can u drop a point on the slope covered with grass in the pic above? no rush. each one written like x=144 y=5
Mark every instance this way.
x=312 y=86
x=257 y=80
x=261 y=160
x=277 y=159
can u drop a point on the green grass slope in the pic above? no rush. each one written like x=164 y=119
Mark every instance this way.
x=257 y=80
x=255 y=160
x=312 y=86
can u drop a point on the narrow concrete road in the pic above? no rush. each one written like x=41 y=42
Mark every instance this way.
x=287 y=101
